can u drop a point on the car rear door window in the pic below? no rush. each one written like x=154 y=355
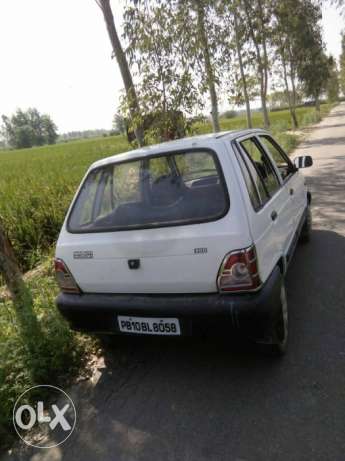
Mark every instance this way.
x=282 y=161
x=261 y=169
x=164 y=190
x=249 y=179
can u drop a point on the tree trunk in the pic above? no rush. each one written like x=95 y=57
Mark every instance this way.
x=208 y=66
x=262 y=66
x=22 y=299
x=317 y=105
x=293 y=85
x=264 y=70
x=243 y=76
x=288 y=94
x=263 y=95
x=132 y=98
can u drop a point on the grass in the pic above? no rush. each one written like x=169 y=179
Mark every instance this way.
x=36 y=187
x=61 y=353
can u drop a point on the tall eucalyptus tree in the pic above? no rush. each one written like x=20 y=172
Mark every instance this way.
x=132 y=99
x=258 y=16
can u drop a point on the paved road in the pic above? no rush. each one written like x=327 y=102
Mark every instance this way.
x=198 y=401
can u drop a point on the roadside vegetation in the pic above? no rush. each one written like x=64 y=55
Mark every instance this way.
x=60 y=354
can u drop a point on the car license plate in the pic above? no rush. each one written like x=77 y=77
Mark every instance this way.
x=149 y=326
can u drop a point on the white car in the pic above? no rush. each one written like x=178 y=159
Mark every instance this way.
x=186 y=237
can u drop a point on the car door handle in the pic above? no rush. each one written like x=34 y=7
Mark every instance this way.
x=274 y=215
x=292 y=191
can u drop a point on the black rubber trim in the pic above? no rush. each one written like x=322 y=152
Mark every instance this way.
x=251 y=313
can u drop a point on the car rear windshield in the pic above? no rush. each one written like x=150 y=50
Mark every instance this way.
x=156 y=191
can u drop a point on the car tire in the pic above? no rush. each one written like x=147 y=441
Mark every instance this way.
x=307 y=227
x=280 y=328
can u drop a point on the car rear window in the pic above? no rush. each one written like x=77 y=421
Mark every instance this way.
x=162 y=190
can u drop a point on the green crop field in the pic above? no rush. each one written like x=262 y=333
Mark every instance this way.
x=37 y=184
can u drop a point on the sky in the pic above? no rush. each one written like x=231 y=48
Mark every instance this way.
x=56 y=56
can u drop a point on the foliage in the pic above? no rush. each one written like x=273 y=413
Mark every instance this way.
x=178 y=43
x=279 y=99
x=60 y=352
x=29 y=128
x=332 y=86
x=258 y=14
x=309 y=50
x=342 y=64
x=229 y=114
x=119 y=124
x=166 y=82
x=237 y=57
x=84 y=134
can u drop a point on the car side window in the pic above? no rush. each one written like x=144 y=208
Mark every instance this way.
x=282 y=161
x=249 y=180
x=266 y=178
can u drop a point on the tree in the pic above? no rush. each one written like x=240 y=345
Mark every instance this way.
x=258 y=16
x=132 y=99
x=287 y=28
x=28 y=128
x=201 y=9
x=119 y=124
x=239 y=44
x=312 y=62
x=237 y=57
x=342 y=65
x=196 y=22
x=332 y=86
x=165 y=85
x=280 y=100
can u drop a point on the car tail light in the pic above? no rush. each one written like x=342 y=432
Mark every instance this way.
x=64 y=277
x=239 y=271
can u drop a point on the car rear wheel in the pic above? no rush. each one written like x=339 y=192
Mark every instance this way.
x=280 y=327
x=307 y=227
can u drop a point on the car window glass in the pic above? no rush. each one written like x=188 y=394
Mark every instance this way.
x=88 y=195
x=127 y=182
x=158 y=167
x=107 y=200
x=249 y=180
x=262 y=165
x=282 y=162
x=195 y=166
x=165 y=190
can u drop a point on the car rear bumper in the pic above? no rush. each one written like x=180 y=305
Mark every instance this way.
x=252 y=314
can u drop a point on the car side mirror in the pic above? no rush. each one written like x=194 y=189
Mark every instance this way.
x=304 y=161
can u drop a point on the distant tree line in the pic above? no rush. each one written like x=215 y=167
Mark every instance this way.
x=85 y=134
x=28 y=128
x=181 y=55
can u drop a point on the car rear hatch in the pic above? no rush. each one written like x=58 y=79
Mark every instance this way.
x=160 y=224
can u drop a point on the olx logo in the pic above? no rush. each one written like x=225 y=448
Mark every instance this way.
x=47 y=422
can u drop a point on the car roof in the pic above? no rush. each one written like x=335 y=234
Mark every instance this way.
x=206 y=140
